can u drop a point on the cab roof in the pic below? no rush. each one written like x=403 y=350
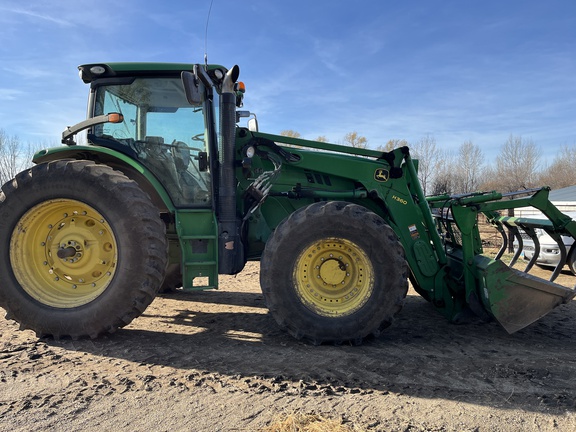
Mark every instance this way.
x=92 y=71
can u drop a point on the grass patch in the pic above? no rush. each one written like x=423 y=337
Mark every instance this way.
x=295 y=422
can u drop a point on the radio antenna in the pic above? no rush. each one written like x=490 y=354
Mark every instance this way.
x=206 y=36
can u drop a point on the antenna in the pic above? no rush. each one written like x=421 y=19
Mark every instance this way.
x=206 y=35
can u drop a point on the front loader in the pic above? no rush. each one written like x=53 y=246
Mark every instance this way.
x=168 y=191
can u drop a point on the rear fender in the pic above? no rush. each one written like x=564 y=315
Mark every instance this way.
x=119 y=161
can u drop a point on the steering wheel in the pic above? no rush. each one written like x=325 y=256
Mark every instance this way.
x=198 y=137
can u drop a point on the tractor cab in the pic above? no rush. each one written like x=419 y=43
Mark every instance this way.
x=155 y=124
x=159 y=129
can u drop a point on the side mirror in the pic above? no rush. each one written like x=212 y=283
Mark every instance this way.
x=68 y=134
x=253 y=124
x=193 y=87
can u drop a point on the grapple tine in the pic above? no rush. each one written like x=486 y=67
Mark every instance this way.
x=502 y=250
x=532 y=234
x=563 y=255
x=518 y=237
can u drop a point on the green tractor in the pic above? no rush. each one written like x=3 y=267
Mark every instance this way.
x=168 y=191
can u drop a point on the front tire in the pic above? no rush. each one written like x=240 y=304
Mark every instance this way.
x=333 y=272
x=82 y=249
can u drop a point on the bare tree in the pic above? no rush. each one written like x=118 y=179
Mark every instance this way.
x=352 y=139
x=429 y=158
x=561 y=172
x=516 y=169
x=467 y=168
x=490 y=179
x=444 y=179
x=14 y=156
x=517 y=164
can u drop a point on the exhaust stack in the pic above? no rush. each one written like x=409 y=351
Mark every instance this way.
x=231 y=250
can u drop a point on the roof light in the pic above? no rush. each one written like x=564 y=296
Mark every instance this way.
x=239 y=86
x=97 y=70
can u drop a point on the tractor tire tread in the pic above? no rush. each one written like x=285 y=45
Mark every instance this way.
x=153 y=247
x=336 y=214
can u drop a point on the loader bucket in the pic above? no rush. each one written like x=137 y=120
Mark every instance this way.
x=514 y=298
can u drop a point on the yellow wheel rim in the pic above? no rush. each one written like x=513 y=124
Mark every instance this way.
x=334 y=277
x=63 y=253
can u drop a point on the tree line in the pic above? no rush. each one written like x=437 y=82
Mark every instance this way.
x=517 y=166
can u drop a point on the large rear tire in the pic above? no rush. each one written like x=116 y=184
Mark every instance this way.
x=334 y=272
x=82 y=249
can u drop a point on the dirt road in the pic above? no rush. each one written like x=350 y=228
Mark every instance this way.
x=215 y=361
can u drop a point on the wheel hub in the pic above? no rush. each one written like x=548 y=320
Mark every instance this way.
x=66 y=252
x=63 y=253
x=333 y=272
x=334 y=277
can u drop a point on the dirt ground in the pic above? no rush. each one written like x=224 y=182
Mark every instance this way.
x=215 y=361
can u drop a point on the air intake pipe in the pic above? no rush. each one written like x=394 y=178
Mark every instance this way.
x=230 y=247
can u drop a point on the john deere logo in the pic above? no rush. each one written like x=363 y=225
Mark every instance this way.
x=381 y=175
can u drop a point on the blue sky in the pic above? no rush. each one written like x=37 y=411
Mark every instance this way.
x=453 y=70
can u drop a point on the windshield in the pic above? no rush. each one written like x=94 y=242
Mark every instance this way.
x=162 y=130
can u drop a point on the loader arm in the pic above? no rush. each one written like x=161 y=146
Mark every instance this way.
x=301 y=172
x=440 y=234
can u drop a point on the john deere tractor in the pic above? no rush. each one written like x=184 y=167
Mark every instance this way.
x=167 y=190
